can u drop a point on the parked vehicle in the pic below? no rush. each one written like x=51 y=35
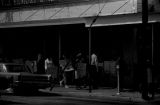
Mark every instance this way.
x=19 y=77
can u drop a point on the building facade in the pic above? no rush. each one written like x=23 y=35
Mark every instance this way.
x=64 y=27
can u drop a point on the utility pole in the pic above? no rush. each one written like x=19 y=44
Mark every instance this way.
x=144 y=12
x=90 y=48
x=146 y=53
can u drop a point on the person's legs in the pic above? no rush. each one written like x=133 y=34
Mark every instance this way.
x=61 y=83
x=91 y=73
x=95 y=77
x=63 y=79
x=66 y=80
x=78 y=83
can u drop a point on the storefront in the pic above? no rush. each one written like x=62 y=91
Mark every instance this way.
x=111 y=36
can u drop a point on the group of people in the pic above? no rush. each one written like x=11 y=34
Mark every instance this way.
x=70 y=71
x=40 y=65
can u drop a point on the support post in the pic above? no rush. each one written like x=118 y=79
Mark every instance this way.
x=59 y=46
x=118 y=80
x=144 y=12
x=90 y=47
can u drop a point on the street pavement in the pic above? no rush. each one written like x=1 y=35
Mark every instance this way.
x=100 y=94
x=72 y=96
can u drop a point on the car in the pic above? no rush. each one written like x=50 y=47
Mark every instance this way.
x=20 y=78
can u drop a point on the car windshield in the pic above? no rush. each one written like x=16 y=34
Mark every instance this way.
x=14 y=68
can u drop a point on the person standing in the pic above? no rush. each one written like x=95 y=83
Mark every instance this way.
x=94 y=71
x=40 y=64
x=48 y=63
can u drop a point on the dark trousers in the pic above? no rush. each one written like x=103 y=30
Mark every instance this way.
x=93 y=76
x=69 y=77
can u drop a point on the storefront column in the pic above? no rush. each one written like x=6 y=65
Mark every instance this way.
x=145 y=54
x=90 y=48
x=152 y=28
x=44 y=48
x=59 y=46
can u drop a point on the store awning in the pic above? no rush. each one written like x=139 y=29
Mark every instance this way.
x=121 y=19
x=100 y=21
x=50 y=22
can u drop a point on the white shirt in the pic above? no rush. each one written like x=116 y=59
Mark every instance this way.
x=94 y=60
x=47 y=61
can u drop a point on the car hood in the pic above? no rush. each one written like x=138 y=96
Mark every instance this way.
x=36 y=75
x=23 y=74
x=9 y=73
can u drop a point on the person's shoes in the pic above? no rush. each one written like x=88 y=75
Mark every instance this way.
x=9 y=90
x=78 y=88
x=95 y=87
x=85 y=86
x=66 y=86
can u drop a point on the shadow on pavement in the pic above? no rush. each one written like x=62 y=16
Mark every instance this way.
x=38 y=93
x=4 y=102
x=31 y=93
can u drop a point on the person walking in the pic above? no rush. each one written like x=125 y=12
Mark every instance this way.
x=67 y=70
x=79 y=72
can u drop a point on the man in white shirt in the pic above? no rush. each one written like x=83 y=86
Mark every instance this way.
x=94 y=61
x=94 y=70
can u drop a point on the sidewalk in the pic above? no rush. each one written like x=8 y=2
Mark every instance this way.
x=102 y=94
